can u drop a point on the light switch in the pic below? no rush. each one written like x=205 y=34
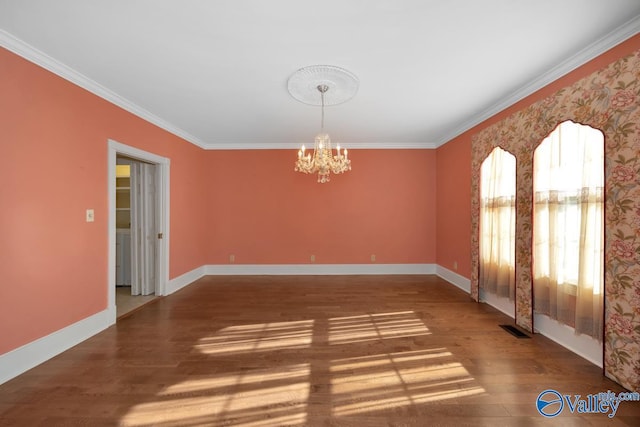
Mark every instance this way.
x=90 y=216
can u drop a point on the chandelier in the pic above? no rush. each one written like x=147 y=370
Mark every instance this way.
x=323 y=161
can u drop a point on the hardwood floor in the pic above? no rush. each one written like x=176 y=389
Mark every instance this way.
x=308 y=350
x=127 y=303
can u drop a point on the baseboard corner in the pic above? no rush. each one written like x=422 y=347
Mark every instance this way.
x=453 y=278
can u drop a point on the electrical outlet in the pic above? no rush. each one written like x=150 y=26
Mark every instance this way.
x=313 y=258
x=232 y=259
x=373 y=258
x=455 y=265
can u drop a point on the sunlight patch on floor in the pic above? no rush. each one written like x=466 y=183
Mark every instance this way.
x=271 y=366
x=258 y=337
x=263 y=378
x=262 y=397
x=368 y=327
x=384 y=381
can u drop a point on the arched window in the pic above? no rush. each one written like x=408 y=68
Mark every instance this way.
x=497 y=224
x=568 y=186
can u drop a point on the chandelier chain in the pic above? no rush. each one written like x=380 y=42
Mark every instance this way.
x=322 y=116
x=322 y=89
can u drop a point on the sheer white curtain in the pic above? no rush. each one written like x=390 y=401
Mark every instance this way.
x=498 y=224
x=568 y=227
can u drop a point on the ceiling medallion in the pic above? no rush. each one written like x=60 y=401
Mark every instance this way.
x=323 y=85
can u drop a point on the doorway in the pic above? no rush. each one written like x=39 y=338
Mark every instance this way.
x=135 y=234
x=138 y=227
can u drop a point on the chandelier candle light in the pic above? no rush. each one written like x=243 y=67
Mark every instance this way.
x=323 y=161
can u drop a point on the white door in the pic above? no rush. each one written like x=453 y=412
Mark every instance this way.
x=143 y=228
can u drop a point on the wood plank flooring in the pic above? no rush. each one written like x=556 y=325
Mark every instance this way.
x=127 y=303
x=308 y=351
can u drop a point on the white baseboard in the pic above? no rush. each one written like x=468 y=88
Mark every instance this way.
x=583 y=345
x=189 y=277
x=453 y=278
x=31 y=355
x=505 y=305
x=318 y=269
x=20 y=360
x=185 y=279
x=36 y=352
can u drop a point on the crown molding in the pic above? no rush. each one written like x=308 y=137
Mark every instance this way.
x=624 y=32
x=38 y=57
x=388 y=145
x=296 y=146
x=30 y=53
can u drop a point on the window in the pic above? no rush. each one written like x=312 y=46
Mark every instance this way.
x=568 y=186
x=497 y=224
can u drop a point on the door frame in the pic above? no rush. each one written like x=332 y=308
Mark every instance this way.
x=162 y=208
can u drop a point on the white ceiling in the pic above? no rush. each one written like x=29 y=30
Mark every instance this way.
x=215 y=71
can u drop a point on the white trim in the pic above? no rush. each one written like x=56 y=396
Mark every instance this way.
x=583 y=345
x=163 y=195
x=317 y=269
x=185 y=279
x=502 y=304
x=343 y=143
x=454 y=278
x=622 y=33
x=164 y=202
x=40 y=58
x=189 y=277
x=137 y=153
x=30 y=53
x=389 y=145
x=30 y=355
x=111 y=228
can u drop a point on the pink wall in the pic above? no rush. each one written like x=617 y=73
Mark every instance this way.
x=453 y=206
x=397 y=204
x=265 y=213
x=453 y=216
x=53 y=264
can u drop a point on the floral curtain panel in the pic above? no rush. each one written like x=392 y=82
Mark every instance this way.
x=608 y=100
